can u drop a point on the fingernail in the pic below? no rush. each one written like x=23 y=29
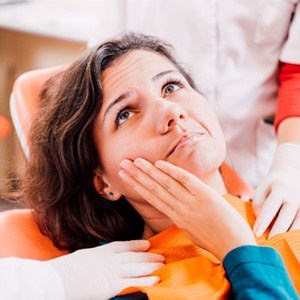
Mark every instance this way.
x=140 y=162
x=255 y=226
x=156 y=280
x=159 y=164
x=125 y=164
x=123 y=175
x=145 y=243
x=258 y=232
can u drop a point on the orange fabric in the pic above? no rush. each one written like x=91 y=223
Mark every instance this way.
x=234 y=183
x=192 y=273
x=288 y=104
x=5 y=127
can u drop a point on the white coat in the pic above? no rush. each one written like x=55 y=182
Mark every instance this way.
x=232 y=49
x=25 y=279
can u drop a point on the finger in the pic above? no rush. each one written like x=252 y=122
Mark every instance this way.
x=126 y=257
x=153 y=193
x=285 y=219
x=165 y=180
x=130 y=270
x=267 y=213
x=135 y=245
x=260 y=195
x=296 y=223
x=157 y=182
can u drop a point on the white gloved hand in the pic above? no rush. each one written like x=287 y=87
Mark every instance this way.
x=104 y=271
x=279 y=193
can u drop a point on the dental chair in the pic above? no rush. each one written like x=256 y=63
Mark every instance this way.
x=17 y=227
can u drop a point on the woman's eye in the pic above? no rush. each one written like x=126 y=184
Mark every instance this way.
x=171 y=88
x=123 y=116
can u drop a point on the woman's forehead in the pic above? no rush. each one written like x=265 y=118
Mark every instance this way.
x=135 y=63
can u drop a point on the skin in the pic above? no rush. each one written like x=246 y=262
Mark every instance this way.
x=163 y=119
x=286 y=131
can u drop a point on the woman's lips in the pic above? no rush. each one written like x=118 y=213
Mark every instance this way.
x=188 y=139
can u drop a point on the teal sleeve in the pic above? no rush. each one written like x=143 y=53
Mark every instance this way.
x=256 y=273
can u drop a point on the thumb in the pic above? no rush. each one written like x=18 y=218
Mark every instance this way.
x=124 y=246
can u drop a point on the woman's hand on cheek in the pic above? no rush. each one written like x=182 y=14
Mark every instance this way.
x=194 y=207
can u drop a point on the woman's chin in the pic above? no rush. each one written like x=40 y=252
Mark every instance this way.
x=197 y=164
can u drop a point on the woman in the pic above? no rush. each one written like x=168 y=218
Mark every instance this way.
x=245 y=55
x=126 y=100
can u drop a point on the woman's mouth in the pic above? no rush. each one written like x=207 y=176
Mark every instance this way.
x=187 y=139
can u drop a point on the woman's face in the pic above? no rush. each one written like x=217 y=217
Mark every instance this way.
x=149 y=110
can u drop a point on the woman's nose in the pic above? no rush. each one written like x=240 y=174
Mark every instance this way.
x=169 y=115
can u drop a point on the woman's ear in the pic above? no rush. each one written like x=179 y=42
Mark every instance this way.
x=104 y=188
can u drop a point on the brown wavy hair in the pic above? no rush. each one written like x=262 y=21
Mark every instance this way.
x=58 y=182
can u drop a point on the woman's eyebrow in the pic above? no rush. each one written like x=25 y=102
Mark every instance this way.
x=163 y=73
x=116 y=101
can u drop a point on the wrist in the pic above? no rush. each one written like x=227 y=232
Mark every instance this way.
x=72 y=275
x=61 y=268
x=287 y=131
x=286 y=155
